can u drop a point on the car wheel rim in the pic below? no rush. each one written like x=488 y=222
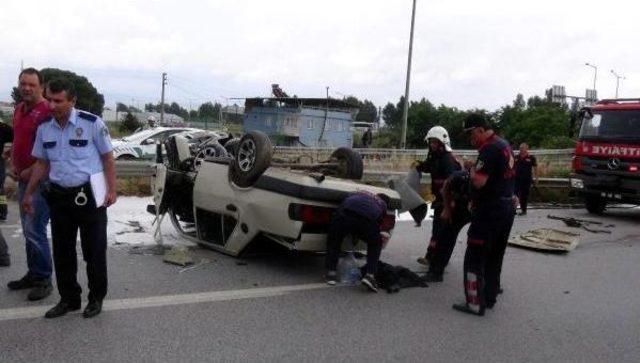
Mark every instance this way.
x=246 y=155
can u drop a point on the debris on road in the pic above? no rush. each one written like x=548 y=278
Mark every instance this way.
x=581 y=223
x=178 y=255
x=155 y=250
x=547 y=239
x=202 y=262
x=137 y=227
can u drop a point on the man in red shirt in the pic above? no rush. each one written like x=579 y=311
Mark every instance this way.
x=28 y=115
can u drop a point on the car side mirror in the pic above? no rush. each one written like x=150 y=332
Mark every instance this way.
x=149 y=142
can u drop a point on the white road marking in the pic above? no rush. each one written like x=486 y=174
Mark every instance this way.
x=10 y=226
x=169 y=300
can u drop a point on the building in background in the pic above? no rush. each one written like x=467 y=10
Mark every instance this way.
x=109 y=115
x=292 y=121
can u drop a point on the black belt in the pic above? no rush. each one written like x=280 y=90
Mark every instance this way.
x=59 y=189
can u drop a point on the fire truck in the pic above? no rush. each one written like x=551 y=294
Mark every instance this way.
x=607 y=155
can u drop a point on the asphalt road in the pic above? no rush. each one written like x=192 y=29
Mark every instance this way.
x=582 y=306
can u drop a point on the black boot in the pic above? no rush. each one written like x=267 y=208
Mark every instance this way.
x=26 y=282
x=93 y=308
x=62 y=308
x=433 y=277
x=464 y=307
x=40 y=290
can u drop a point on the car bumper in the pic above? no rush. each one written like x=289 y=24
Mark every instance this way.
x=609 y=187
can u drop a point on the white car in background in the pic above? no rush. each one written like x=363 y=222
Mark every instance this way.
x=142 y=144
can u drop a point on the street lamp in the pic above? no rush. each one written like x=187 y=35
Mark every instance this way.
x=618 y=78
x=595 y=73
x=405 y=111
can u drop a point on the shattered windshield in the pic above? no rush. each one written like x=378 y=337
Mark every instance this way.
x=618 y=124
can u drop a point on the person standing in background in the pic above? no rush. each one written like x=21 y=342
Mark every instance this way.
x=526 y=174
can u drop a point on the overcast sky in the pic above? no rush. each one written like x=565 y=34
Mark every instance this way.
x=466 y=53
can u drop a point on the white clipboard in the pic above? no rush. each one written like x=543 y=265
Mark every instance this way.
x=99 y=188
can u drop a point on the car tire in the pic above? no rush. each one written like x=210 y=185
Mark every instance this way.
x=252 y=158
x=351 y=166
x=232 y=146
x=211 y=150
x=595 y=204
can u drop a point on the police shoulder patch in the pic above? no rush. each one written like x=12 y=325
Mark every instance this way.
x=87 y=116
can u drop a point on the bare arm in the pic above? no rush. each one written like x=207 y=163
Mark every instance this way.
x=38 y=171
x=478 y=179
x=109 y=168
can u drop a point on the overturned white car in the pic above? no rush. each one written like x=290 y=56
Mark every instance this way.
x=225 y=198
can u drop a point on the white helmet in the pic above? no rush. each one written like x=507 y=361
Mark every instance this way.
x=441 y=134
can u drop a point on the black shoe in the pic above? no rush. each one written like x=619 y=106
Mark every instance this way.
x=500 y=290
x=62 y=308
x=464 y=307
x=370 y=282
x=433 y=277
x=5 y=261
x=41 y=290
x=26 y=282
x=490 y=305
x=93 y=308
x=522 y=213
x=331 y=278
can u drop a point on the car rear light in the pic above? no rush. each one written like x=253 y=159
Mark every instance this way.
x=633 y=168
x=576 y=163
x=388 y=222
x=310 y=213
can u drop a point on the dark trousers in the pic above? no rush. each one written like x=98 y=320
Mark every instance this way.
x=522 y=189
x=443 y=239
x=486 y=244
x=3 y=197
x=66 y=219
x=343 y=223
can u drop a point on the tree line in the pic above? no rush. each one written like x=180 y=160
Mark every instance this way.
x=538 y=122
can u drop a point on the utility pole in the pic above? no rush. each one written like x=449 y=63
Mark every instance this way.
x=405 y=111
x=164 y=83
x=595 y=73
x=618 y=78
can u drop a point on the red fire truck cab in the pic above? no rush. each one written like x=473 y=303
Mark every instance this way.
x=607 y=156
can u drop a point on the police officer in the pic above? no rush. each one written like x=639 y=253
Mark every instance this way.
x=440 y=163
x=492 y=213
x=74 y=145
x=360 y=215
x=526 y=170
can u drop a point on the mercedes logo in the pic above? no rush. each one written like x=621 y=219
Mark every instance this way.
x=614 y=164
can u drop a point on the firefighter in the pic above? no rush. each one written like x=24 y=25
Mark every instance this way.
x=454 y=216
x=526 y=174
x=440 y=163
x=492 y=214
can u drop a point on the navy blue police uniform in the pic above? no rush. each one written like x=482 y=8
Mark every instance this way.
x=440 y=164
x=74 y=154
x=447 y=232
x=524 y=179
x=359 y=215
x=492 y=217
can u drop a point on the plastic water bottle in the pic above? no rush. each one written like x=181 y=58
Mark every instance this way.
x=349 y=270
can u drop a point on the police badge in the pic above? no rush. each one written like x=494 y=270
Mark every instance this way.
x=79 y=131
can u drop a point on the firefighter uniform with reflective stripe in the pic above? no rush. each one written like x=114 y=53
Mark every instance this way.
x=440 y=164
x=74 y=154
x=492 y=217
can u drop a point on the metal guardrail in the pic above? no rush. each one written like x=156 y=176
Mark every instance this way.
x=141 y=169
